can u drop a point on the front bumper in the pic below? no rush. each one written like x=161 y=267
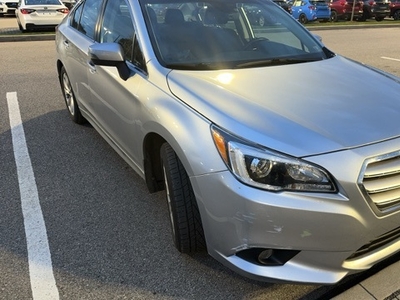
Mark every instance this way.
x=326 y=229
x=357 y=14
x=380 y=13
x=7 y=10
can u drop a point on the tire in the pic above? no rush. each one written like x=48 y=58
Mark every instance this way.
x=365 y=16
x=334 y=16
x=69 y=98
x=396 y=15
x=379 y=19
x=187 y=230
x=303 y=19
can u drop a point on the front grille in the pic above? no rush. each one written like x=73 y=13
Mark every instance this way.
x=379 y=242
x=11 y=4
x=380 y=182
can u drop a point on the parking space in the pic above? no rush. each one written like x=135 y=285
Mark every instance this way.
x=107 y=237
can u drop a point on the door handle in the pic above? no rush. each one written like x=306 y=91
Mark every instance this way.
x=92 y=67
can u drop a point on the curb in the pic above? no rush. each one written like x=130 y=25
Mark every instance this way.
x=12 y=34
x=26 y=38
x=346 y=27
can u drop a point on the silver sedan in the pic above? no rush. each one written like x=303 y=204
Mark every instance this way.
x=276 y=174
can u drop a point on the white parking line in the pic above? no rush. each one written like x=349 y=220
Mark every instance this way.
x=43 y=284
x=389 y=58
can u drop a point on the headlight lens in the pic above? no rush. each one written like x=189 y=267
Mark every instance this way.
x=267 y=169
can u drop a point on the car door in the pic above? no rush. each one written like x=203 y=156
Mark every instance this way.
x=114 y=100
x=75 y=43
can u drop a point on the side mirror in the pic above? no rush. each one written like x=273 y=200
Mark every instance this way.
x=109 y=54
x=318 y=37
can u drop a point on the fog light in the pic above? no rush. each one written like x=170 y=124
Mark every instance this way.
x=264 y=256
x=267 y=257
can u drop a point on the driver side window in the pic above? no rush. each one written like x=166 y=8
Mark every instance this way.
x=117 y=27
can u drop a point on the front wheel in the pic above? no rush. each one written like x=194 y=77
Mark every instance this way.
x=187 y=229
x=396 y=15
x=69 y=98
x=334 y=16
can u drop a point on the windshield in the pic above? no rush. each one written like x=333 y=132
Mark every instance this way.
x=224 y=34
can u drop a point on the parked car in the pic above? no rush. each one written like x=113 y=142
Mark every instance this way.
x=395 y=9
x=311 y=10
x=276 y=174
x=8 y=7
x=285 y=5
x=378 y=9
x=40 y=14
x=342 y=10
x=257 y=16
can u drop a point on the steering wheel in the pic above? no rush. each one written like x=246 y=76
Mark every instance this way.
x=254 y=43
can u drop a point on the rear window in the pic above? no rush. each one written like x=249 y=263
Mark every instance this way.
x=42 y=2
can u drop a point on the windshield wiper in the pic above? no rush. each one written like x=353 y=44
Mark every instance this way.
x=275 y=62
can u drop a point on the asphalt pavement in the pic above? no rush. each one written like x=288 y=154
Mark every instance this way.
x=384 y=284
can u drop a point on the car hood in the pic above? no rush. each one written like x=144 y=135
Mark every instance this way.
x=301 y=109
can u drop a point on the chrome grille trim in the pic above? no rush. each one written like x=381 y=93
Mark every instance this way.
x=382 y=241
x=379 y=181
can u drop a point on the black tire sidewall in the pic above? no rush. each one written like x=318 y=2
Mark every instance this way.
x=334 y=17
x=187 y=231
x=303 y=19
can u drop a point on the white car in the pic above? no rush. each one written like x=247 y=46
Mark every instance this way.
x=8 y=8
x=40 y=14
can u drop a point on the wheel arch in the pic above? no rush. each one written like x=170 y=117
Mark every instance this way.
x=152 y=162
x=59 y=66
x=191 y=141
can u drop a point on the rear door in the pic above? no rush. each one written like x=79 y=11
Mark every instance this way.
x=76 y=39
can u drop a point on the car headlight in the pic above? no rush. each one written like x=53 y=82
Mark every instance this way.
x=266 y=169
